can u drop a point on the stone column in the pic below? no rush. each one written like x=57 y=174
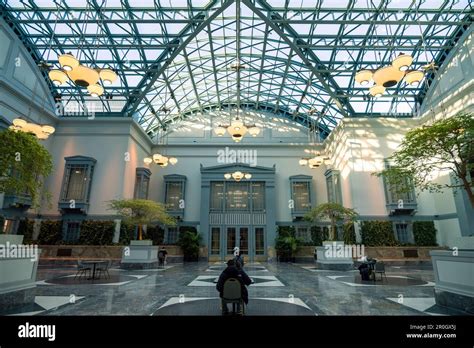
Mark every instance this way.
x=118 y=224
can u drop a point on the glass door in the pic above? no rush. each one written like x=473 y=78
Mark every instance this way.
x=231 y=241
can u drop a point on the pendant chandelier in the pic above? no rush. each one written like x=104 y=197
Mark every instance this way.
x=237 y=129
x=42 y=132
x=237 y=176
x=160 y=160
x=389 y=76
x=314 y=162
x=81 y=75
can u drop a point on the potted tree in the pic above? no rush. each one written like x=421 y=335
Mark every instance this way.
x=332 y=255
x=140 y=212
x=336 y=214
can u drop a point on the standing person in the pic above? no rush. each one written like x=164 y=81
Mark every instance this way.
x=233 y=272
x=162 y=256
x=239 y=260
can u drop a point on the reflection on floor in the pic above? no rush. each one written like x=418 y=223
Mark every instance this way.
x=278 y=289
x=256 y=306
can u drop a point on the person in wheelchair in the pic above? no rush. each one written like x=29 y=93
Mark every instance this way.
x=232 y=272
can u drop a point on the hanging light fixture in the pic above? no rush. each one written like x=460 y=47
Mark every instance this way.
x=402 y=62
x=42 y=132
x=237 y=176
x=314 y=162
x=147 y=160
x=390 y=75
x=173 y=160
x=237 y=130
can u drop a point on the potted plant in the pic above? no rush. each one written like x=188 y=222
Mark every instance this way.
x=286 y=244
x=189 y=241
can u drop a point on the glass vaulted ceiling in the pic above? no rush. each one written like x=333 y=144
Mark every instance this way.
x=174 y=57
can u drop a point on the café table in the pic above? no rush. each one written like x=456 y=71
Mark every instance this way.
x=94 y=263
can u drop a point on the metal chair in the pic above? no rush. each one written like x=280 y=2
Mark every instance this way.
x=379 y=268
x=233 y=294
x=82 y=269
x=104 y=269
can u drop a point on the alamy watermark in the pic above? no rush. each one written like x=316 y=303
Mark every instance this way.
x=230 y=156
x=19 y=251
x=339 y=250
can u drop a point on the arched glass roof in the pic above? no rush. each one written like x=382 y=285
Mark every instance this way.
x=298 y=58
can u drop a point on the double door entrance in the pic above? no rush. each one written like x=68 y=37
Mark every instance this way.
x=249 y=239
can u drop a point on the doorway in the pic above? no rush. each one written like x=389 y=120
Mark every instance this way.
x=250 y=241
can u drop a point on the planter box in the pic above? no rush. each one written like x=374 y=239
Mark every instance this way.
x=454 y=278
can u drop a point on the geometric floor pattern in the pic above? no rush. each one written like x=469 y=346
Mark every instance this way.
x=277 y=289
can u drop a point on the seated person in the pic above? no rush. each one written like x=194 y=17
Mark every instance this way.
x=162 y=255
x=233 y=272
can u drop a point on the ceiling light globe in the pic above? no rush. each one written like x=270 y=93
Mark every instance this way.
x=254 y=131
x=108 y=76
x=147 y=160
x=363 y=77
x=48 y=129
x=58 y=77
x=377 y=91
x=303 y=162
x=95 y=90
x=219 y=131
x=402 y=62
x=248 y=176
x=68 y=61
x=227 y=176
x=18 y=122
x=173 y=160
x=414 y=77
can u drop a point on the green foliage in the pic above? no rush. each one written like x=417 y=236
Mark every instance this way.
x=349 y=236
x=286 y=244
x=335 y=213
x=50 y=232
x=156 y=234
x=127 y=233
x=95 y=232
x=189 y=241
x=378 y=233
x=445 y=145
x=424 y=233
x=24 y=163
x=319 y=234
x=141 y=212
x=25 y=227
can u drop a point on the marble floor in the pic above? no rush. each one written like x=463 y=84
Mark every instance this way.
x=277 y=289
